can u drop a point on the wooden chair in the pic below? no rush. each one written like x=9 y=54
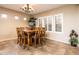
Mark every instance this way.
x=21 y=37
x=41 y=35
x=18 y=30
x=27 y=38
x=37 y=35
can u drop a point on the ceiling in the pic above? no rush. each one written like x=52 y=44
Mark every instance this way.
x=38 y=8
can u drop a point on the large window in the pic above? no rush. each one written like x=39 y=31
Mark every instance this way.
x=52 y=23
x=58 y=23
x=45 y=23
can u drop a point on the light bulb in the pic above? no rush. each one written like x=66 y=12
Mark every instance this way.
x=4 y=15
x=25 y=18
x=16 y=17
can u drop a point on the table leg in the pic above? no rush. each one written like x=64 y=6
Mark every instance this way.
x=39 y=38
x=28 y=41
x=20 y=42
x=35 y=40
x=39 y=41
x=24 y=43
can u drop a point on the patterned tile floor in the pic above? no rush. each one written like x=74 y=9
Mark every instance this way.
x=49 y=48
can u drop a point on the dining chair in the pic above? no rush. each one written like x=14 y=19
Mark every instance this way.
x=21 y=37
x=43 y=36
x=18 y=39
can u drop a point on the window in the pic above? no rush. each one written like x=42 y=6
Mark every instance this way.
x=38 y=22
x=58 y=23
x=51 y=23
x=45 y=22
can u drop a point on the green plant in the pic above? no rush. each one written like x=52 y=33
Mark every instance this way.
x=32 y=22
x=74 y=38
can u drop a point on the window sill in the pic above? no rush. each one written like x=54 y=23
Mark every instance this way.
x=49 y=31
x=53 y=32
x=58 y=32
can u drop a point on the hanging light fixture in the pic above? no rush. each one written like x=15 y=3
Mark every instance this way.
x=27 y=9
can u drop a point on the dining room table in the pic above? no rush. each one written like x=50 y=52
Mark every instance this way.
x=30 y=37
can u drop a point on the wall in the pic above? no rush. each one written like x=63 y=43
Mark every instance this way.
x=8 y=25
x=70 y=21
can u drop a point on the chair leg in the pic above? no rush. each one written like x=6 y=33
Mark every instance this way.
x=35 y=42
x=30 y=42
x=17 y=41
x=24 y=44
x=39 y=42
x=20 y=42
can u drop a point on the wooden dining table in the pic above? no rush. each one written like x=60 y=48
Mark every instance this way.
x=29 y=37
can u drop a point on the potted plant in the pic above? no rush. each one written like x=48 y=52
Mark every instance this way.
x=73 y=38
x=32 y=22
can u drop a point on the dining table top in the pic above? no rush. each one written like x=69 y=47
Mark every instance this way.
x=27 y=30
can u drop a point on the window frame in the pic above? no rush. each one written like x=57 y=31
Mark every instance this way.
x=48 y=23
x=61 y=22
x=53 y=22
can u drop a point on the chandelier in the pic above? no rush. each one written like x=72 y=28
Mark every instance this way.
x=27 y=9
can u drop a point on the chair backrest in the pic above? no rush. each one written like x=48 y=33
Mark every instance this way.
x=19 y=31
x=40 y=31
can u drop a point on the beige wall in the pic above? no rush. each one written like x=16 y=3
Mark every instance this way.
x=8 y=25
x=70 y=21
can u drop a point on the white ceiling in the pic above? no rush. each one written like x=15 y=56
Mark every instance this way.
x=37 y=7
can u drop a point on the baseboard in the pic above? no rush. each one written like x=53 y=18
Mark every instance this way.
x=58 y=40
x=62 y=41
x=8 y=39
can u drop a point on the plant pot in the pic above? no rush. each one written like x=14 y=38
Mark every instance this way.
x=74 y=45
